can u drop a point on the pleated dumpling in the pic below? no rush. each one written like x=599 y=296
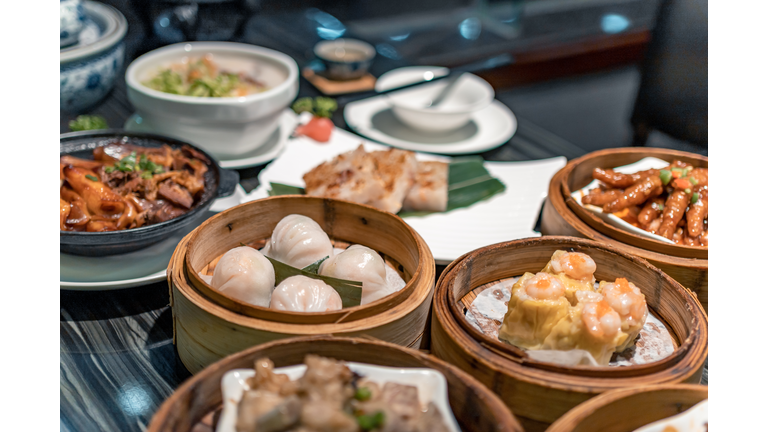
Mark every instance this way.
x=592 y=325
x=361 y=264
x=537 y=303
x=298 y=241
x=303 y=294
x=629 y=302
x=245 y=274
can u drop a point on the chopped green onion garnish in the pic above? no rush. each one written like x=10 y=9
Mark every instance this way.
x=90 y=177
x=687 y=190
x=666 y=176
x=363 y=394
x=693 y=181
x=661 y=207
x=109 y=169
x=370 y=422
x=695 y=198
x=146 y=175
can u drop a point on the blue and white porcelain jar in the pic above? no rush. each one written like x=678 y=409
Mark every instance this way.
x=87 y=70
x=72 y=20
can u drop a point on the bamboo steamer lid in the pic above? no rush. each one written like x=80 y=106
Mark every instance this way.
x=540 y=392
x=195 y=405
x=209 y=325
x=562 y=215
x=628 y=409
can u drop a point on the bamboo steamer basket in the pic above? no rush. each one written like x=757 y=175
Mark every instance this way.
x=626 y=410
x=209 y=325
x=540 y=392
x=562 y=215
x=196 y=404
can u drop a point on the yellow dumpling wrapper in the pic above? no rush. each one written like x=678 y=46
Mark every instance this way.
x=528 y=320
x=572 y=332
x=571 y=285
x=627 y=300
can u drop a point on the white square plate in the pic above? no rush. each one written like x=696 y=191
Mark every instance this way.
x=430 y=383
x=506 y=216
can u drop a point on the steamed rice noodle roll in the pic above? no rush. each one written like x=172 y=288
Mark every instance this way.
x=361 y=264
x=303 y=294
x=245 y=274
x=536 y=305
x=575 y=270
x=629 y=302
x=592 y=325
x=298 y=241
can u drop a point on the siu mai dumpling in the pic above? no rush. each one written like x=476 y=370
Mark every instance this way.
x=361 y=264
x=298 y=241
x=592 y=325
x=245 y=274
x=629 y=302
x=575 y=270
x=304 y=294
x=536 y=305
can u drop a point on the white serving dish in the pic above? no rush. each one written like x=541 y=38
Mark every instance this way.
x=692 y=420
x=641 y=165
x=470 y=94
x=225 y=127
x=430 y=383
x=506 y=216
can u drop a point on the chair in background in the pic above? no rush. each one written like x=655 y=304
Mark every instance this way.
x=672 y=97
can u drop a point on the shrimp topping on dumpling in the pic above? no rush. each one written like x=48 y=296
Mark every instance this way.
x=361 y=264
x=298 y=241
x=629 y=302
x=303 y=294
x=244 y=273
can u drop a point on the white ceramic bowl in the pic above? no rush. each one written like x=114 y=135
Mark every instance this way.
x=345 y=59
x=469 y=95
x=225 y=127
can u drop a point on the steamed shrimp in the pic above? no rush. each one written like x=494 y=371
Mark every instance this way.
x=601 y=321
x=544 y=286
x=575 y=265
x=627 y=300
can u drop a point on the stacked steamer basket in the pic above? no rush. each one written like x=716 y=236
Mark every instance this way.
x=540 y=392
x=562 y=215
x=209 y=324
x=197 y=403
x=626 y=410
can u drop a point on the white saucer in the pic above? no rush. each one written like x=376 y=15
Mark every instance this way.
x=488 y=129
x=269 y=151
x=134 y=269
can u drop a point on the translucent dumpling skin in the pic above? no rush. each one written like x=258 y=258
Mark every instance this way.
x=245 y=274
x=303 y=294
x=298 y=241
x=361 y=264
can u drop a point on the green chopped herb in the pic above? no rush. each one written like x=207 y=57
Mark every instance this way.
x=303 y=104
x=693 y=181
x=694 y=198
x=370 y=422
x=319 y=106
x=88 y=122
x=666 y=176
x=661 y=207
x=90 y=177
x=687 y=190
x=109 y=169
x=146 y=175
x=363 y=394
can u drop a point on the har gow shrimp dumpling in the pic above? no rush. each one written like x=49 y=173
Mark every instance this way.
x=303 y=294
x=360 y=263
x=298 y=241
x=245 y=274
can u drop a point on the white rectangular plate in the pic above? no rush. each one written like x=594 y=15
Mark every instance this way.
x=691 y=420
x=641 y=165
x=430 y=383
x=506 y=216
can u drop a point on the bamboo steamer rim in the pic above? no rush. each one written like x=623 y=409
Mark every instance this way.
x=582 y=378
x=175 y=403
x=585 y=410
x=564 y=177
x=558 y=203
x=331 y=317
x=178 y=277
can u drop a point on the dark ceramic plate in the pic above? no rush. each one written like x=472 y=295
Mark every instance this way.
x=219 y=183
